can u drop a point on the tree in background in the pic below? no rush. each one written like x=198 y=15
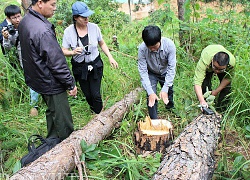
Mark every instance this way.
x=181 y=12
x=26 y=4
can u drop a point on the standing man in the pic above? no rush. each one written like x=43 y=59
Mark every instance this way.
x=45 y=66
x=215 y=59
x=157 y=63
x=115 y=42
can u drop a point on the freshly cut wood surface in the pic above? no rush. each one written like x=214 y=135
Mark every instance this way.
x=154 y=132
x=153 y=135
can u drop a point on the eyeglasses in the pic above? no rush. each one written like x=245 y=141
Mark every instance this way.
x=217 y=69
x=16 y=17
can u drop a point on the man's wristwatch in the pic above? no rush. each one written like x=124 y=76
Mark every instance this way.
x=71 y=88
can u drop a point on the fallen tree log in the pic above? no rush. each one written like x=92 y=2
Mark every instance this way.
x=59 y=161
x=191 y=156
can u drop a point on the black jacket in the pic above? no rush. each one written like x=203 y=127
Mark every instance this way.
x=3 y=24
x=45 y=67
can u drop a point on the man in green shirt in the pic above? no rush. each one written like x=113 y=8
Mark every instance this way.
x=215 y=59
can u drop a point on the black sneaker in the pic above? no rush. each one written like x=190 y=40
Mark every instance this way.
x=170 y=105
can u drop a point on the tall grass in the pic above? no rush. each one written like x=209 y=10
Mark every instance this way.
x=240 y=106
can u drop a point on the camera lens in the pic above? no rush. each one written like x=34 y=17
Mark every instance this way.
x=12 y=32
x=11 y=29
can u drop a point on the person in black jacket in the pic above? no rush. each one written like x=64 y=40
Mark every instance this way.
x=2 y=25
x=9 y=34
x=45 y=67
x=10 y=12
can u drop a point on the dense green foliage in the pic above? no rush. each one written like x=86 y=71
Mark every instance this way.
x=116 y=155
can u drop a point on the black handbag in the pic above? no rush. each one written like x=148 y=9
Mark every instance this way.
x=35 y=151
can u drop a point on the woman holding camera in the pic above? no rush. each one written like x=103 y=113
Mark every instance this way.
x=81 y=40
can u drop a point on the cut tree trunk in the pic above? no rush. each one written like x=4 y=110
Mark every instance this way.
x=191 y=156
x=59 y=161
x=153 y=135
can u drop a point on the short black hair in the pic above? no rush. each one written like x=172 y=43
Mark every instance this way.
x=12 y=10
x=33 y=2
x=221 y=58
x=151 y=35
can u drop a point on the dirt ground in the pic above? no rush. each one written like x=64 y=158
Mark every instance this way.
x=234 y=143
x=145 y=10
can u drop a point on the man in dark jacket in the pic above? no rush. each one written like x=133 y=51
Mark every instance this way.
x=45 y=67
x=2 y=25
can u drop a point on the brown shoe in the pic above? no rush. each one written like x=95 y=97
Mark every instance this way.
x=33 y=112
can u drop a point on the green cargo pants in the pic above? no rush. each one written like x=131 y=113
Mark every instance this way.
x=58 y=115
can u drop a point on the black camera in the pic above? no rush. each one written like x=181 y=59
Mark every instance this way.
x=207 y=111
x=11 y=29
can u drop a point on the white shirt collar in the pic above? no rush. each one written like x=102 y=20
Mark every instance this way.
x=9 y=23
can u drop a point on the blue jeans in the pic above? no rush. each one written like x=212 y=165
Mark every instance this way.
x=154 y=79
x=33 y=98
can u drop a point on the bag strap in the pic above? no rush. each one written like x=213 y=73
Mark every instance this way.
x=77 y=40
x=84 y=40
x=34 y=138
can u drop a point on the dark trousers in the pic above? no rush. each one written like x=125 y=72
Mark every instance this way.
x=154 y=79
x=92 y=89
x=58 y=115
x=223 y=98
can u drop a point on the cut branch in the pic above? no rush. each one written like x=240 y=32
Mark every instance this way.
x=59 y=161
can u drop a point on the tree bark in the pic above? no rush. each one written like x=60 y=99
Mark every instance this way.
x=181 y=12
x=129 y=6
x=191 y=156
x=59 y=161
x=26 y=4
x=181 y=9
